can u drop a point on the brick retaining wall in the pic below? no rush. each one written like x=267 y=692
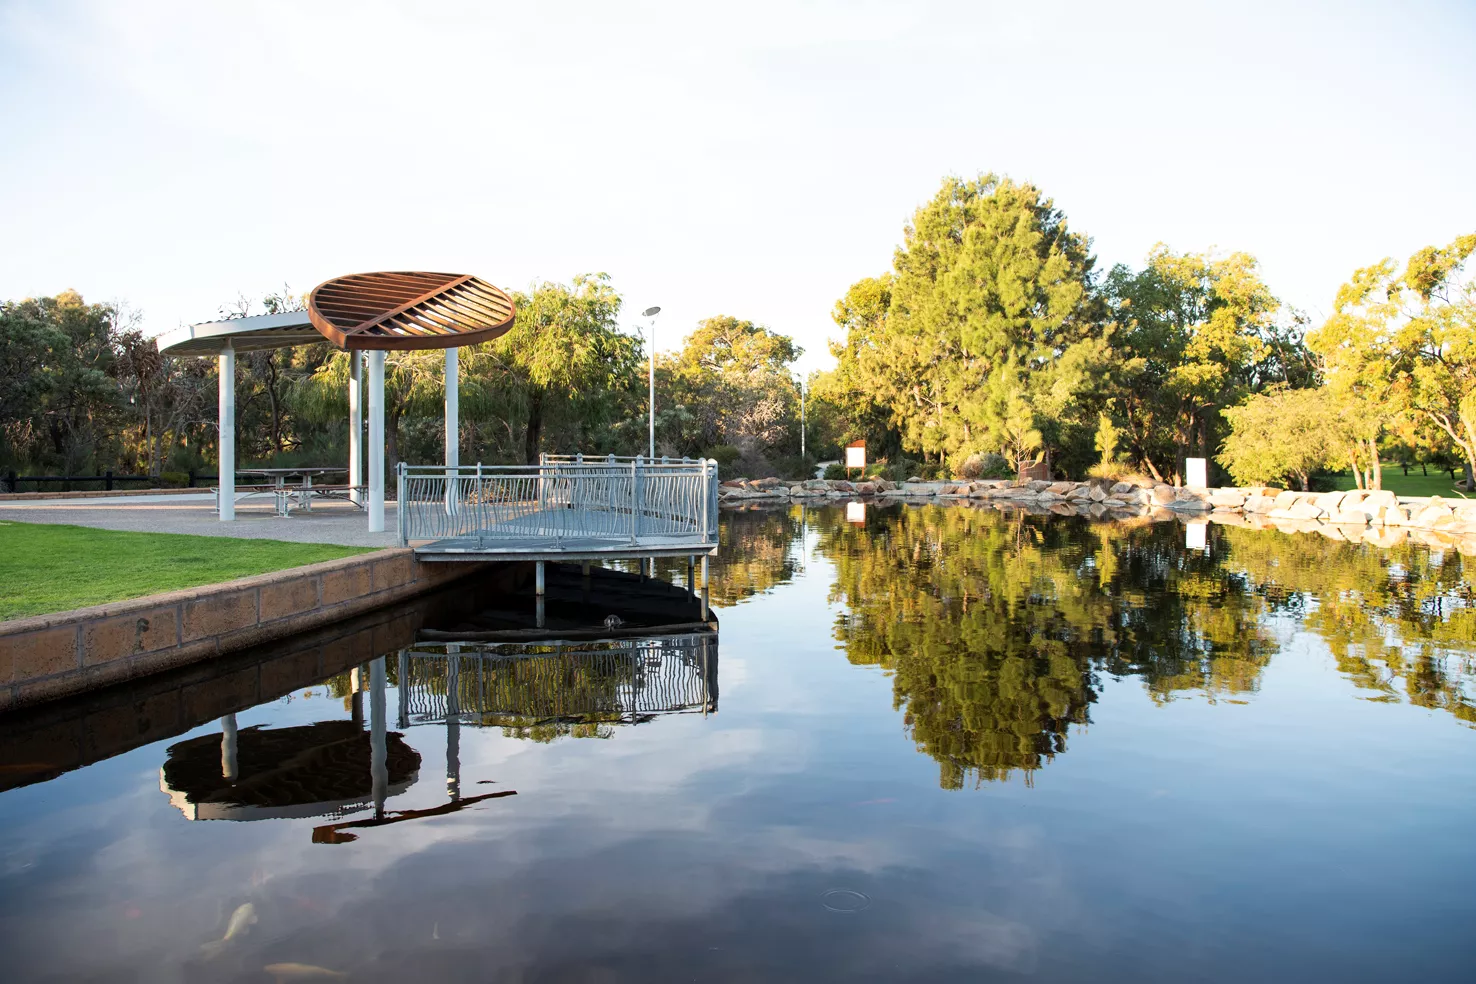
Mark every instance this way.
x=51 y=656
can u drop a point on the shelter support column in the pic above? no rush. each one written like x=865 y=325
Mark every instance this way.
x=356 y=424
x=453 y=425
x=376 y=442
x=227 y=444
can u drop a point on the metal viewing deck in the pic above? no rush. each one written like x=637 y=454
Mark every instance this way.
x=566 y=507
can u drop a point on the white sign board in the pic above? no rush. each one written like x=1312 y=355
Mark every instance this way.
x=1196 y=473
x=856 y=457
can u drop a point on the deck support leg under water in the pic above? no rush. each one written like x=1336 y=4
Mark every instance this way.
x=539 y=589
x=378 y=754
x=228 y=769
x=704 y=588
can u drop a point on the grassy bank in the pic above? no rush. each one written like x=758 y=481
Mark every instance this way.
x=46 y=568
x=1394 y=479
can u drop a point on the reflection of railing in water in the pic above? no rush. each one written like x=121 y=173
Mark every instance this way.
x=607 y=682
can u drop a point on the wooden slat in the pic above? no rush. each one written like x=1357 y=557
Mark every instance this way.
x=409 y=310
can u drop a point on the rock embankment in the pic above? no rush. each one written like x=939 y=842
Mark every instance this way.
x=1379 y=517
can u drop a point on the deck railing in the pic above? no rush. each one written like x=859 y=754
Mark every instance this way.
x=625 y=500
x=607 y=681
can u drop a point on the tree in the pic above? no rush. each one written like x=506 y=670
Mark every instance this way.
x=1195 y=333
x=733 y=383
x=567 y=361
x=1278 y=434
x=989 y=293
x=1404 y=344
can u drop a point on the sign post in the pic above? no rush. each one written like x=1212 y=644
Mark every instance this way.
x=856 y=457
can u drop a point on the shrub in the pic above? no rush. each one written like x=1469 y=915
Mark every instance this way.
x=834 y=472
x=173 y=480
x=1120 y=471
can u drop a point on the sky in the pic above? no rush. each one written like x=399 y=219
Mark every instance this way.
x=747 y=159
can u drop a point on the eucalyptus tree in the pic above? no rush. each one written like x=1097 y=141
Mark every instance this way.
x=1403 y=343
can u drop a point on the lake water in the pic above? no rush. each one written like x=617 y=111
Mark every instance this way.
x=927 y=744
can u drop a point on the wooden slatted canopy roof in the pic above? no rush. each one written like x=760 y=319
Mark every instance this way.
x=409 y=310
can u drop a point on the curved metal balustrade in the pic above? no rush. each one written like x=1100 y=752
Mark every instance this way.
x=606 y=683
x=564 y=507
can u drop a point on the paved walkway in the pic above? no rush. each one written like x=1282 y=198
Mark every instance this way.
x=256 y=519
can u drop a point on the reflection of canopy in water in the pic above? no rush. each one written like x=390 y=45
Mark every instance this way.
x=597 y=682
x=320 y=769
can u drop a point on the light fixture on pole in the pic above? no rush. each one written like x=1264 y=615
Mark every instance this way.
x=802 y=416
x=651 y=313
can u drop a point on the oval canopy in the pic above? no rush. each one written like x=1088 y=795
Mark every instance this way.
x=409 y=310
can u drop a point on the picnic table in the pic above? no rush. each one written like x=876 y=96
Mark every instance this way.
x=301 y=491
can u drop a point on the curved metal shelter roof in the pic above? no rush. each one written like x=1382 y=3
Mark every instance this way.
x=397 y=311
x=409 y=310
x=263 y=331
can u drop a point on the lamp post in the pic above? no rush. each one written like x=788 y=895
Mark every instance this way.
x=802 y=416
x=651 y=313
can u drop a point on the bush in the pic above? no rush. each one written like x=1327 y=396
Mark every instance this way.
x=977 y=464
x=173 y=480
x=1121 y=471
x=794 y=467
x=835 y=472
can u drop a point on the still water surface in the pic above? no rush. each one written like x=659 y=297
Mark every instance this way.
x=940 y=745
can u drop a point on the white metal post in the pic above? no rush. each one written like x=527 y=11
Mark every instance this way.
x=376 y=442
x=652 y=408
x=453 y=426
x=356 y=425
x=227 y=443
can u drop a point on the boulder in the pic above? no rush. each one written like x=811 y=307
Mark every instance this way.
x=1285 y=500
x=1304 y=511
x=1039 y=485
x=1190 y=504
x=1328 y=501
x=865 y=488
x=764 y=484
x=1379 y=498
x=1163 y=494
x=1348 y=517
x=1227 y=499
x=1080 y=493
x=1122 y=487
x=1433 y=514
x=1113 y=503
x=913 y=480
x=1097 y=495
x=1060 y=488
x=1259 y=504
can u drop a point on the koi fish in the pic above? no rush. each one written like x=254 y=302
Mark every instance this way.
x=302 y=972
x=241 y=922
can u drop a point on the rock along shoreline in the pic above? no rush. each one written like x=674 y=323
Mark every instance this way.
x=1380 y=518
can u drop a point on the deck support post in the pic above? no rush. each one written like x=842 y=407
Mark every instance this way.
x=691 y=584
x=356 y=426
x=378 y=754
x=226 y=480
x=404 y=689
x=453 y=722
x=539 y=587
x=376 y=441
x=704 y=588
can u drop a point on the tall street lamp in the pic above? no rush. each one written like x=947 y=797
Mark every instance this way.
x=651 y=313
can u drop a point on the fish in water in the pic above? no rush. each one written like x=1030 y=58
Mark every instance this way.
x=302 y=972
x=613 y=621
x=241 y=922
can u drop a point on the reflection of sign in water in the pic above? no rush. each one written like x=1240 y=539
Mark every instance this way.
x=856 y=513
x=1194 y=535
x=856 y=455
x=1196 y=473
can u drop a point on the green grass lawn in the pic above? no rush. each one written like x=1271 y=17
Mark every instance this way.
x=46 y=568
x=1394 y=480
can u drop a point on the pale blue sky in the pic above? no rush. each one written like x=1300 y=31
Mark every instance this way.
x=749 y=159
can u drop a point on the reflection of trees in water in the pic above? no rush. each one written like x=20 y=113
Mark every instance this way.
x=993 y=627
x=756 y=552
x=1400 y=620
